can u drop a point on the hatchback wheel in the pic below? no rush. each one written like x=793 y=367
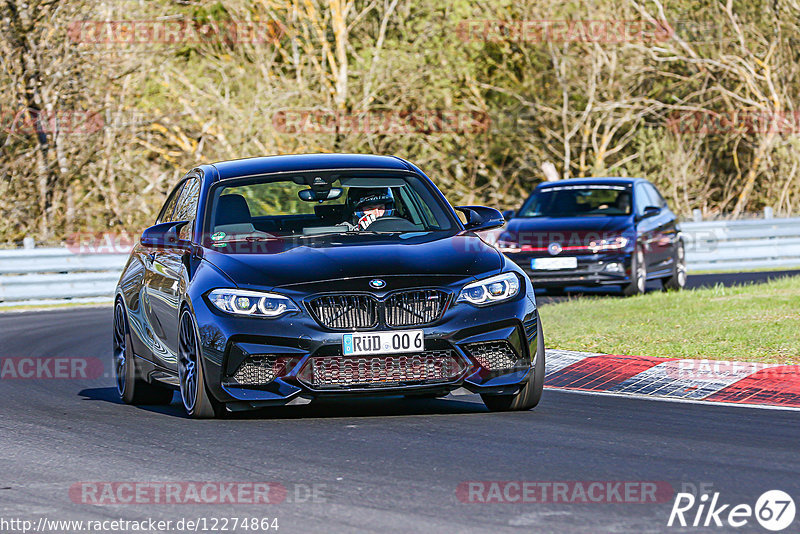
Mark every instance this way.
x=131 y=388
x=196 y=398
x=638 y=281
x=677 y=281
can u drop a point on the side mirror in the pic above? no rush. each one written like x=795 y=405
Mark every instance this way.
x=509 y=214
x=165 y=236
x=481 y=218
x=650 y=211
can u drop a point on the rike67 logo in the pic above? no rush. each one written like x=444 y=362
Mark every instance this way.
x=774 y=510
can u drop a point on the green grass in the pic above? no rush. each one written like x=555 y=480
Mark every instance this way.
x=757 y=323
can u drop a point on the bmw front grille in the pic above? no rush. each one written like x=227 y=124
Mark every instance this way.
x=345 y=311
x=411 y=308
x=405 y=308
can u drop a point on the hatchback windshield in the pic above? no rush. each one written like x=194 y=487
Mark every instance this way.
x=578 y=201
x=317 y=204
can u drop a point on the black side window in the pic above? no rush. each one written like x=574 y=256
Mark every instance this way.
x=169 y=207
x=186 y=207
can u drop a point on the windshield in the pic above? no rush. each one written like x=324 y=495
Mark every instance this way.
x=279 y=207
x=579 y=201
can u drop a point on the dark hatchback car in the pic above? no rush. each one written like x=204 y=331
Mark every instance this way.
x=596 y=232
x=284 y=279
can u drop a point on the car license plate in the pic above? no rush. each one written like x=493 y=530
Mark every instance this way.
x=383 y=342
x=554 y=264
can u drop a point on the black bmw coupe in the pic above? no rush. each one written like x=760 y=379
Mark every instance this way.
x=280 y=280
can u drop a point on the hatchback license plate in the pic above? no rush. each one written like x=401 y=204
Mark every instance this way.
x=383 y=342
x=554 y=264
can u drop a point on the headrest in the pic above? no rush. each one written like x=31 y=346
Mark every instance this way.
x=232 y=209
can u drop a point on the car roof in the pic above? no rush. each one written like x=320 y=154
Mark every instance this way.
x=307 y=162
x=594 y=181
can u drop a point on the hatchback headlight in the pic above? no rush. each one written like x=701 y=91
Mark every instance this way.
x=253 y=303
x=490 y=290
x=507 y=246
x=615 y=243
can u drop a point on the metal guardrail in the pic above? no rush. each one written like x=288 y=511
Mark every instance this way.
x=742 y=245
x=58 y=273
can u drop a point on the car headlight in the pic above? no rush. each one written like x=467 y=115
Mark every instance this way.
x=507 y=246
x=490 y=290
x=614 y=243
x=253 y=303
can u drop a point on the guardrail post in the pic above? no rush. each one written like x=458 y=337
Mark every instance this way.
x=768 y=213
x=697 y=215
x=28 y=243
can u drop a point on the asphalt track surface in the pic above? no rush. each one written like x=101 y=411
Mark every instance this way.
x=379 y=465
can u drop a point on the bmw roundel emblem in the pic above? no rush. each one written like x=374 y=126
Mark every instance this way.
x=554 y=249
x=377 y=283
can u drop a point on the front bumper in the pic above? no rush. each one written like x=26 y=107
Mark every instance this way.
x=228 y=341
x=592 y=270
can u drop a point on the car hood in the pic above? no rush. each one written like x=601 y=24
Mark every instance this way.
x=282 y=263
x=544 y=230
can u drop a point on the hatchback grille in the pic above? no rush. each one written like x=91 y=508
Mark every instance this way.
x=346 y=311
x=494 y=355
x=436 y=366
x=414 y=307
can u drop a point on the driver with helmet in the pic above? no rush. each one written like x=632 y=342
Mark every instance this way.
x=367 y=205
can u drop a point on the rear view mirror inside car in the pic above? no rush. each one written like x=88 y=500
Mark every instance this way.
x=310 y=195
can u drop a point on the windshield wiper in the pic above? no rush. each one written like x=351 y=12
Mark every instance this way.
x=249 y=239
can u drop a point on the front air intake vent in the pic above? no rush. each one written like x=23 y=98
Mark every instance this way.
x=382 y=371
x=262 y=369
x=493 y=355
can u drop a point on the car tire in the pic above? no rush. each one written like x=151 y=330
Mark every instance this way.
x=531 y=393
x=196 y=398
x=638 y=281
x=677 y=280
x=131 y=388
